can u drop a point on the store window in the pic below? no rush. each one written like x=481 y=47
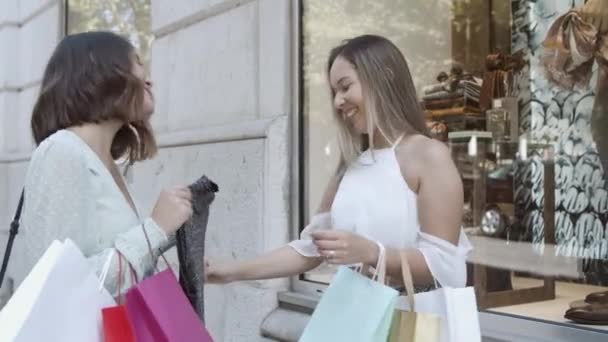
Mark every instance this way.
x=128 y=18
x=529 y=146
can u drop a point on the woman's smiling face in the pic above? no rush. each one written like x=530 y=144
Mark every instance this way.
x=348 y=97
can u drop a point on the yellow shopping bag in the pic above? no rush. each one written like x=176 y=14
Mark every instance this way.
x=412 y=326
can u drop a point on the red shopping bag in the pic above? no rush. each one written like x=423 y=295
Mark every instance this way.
x=160 y=311
x=116 y=324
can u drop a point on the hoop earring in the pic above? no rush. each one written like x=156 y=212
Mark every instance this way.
x=137 y=138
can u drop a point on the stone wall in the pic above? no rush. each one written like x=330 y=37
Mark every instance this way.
x=29 y=31
x=221 y=71
x=222 y=81
x=561 y=118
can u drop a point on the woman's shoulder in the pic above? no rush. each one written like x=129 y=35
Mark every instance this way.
x=422 y=150
x=419 y=154
x=57 y=164
x=61 y=149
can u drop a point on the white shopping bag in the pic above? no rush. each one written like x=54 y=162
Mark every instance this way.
x=457 y=308
x=59 y=300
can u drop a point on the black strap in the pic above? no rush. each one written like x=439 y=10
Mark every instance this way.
x=12 y=233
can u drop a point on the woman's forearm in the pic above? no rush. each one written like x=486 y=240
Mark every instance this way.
x=420 y=271
x=282 y=262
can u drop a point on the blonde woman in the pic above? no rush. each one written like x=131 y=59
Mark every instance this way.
x=396 y=186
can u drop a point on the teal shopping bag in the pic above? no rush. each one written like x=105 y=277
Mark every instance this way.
x=354 y=308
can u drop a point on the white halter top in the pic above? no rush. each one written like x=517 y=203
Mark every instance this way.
x=374 y=200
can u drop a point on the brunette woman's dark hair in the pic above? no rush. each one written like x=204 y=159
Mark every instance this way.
x=89 y=79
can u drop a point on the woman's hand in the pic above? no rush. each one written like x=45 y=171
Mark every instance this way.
x=173 y=208
x=341 y=247
x=218 y=272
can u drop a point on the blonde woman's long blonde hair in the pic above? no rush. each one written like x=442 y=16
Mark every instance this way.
x=389 y=95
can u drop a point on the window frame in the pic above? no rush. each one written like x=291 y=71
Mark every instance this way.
x=297 y=283
x=63 y=19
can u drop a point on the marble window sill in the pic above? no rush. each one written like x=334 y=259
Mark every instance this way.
x=287 y=322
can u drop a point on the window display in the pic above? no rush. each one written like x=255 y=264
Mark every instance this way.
x=521 y=104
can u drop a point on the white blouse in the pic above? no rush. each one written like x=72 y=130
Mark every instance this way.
x=374 y=200
x=69 y=193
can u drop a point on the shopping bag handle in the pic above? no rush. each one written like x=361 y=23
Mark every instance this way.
x=379 y=274
x=380 y=271
x=152 y=253
x=408 y=281
x=106 y=269
x=131 y=271
x=143 y=228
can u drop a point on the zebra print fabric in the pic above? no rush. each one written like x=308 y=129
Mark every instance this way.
x=561 y=118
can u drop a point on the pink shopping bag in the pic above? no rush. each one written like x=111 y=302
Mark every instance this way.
x=160 y=312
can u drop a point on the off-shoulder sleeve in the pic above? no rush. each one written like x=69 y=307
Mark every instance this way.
x=446 y=262
x=304 y=245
